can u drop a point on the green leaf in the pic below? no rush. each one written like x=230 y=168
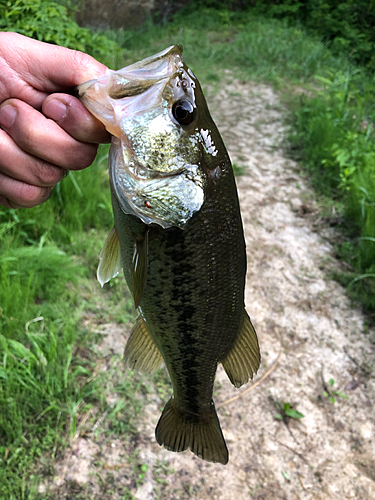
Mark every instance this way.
x=294 y=413
x=285 y=475
x=342 y=395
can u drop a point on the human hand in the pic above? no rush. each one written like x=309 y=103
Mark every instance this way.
x=43 y=132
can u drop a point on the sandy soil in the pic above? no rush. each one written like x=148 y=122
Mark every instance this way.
x=298 y=312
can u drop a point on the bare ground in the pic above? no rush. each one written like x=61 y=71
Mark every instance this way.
x=298 y=312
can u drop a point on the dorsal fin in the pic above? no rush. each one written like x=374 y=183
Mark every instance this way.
x=138 y=270
x=109 y=258
x=141 y=352
x=243 y=360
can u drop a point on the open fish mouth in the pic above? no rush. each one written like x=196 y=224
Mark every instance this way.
x=137 y=77
x=130 y=81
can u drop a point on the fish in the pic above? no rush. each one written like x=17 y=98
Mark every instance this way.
x=178 y=237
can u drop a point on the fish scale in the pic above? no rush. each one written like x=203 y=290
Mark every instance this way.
x=181 y=243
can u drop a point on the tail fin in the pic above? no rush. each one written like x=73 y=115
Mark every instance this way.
x=177 y=432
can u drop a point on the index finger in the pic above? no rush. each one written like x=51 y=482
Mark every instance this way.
x=46 y=67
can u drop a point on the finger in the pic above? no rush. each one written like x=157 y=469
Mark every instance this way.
x=16 y=163
x=17 y=194
x=43 y=138
x=71 y=115
x=47 y=67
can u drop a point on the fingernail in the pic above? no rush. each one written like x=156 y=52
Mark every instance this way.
x=55 y=109
x=7 y=116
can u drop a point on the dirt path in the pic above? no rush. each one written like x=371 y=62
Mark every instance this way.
x=297 y=311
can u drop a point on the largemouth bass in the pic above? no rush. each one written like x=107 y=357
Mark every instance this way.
x=178 y=237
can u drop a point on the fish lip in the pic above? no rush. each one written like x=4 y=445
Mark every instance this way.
x=144 y=73
x=175 y=49
x=83 y=87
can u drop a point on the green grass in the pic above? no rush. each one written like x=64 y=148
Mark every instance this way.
x=253 y=46
x=335 y=135
x=49 y=254
x=48 y=261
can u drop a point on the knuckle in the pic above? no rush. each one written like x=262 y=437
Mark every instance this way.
x=27 y=139
x=31 y=196
x=48 y=175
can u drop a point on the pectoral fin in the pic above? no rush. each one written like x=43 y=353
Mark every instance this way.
x=141 y=352
x=243 y=359
x=109 y=258
x=138 y=270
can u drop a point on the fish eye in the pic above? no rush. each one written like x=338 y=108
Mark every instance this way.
x=184 y=112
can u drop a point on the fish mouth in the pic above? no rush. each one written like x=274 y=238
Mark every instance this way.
x=144 y=74
x=103 y=96
x=137 y=77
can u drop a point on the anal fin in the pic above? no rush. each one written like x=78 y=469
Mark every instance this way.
x=178 y=431
x=141 y=352
x=243 y=360
x=109 y=258
x=138 y=270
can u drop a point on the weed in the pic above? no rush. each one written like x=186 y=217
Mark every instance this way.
x=285 y=476
x=331 y=393
x=128 y=496
x=286 y=411
x=160 y=471
x=143 y=468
